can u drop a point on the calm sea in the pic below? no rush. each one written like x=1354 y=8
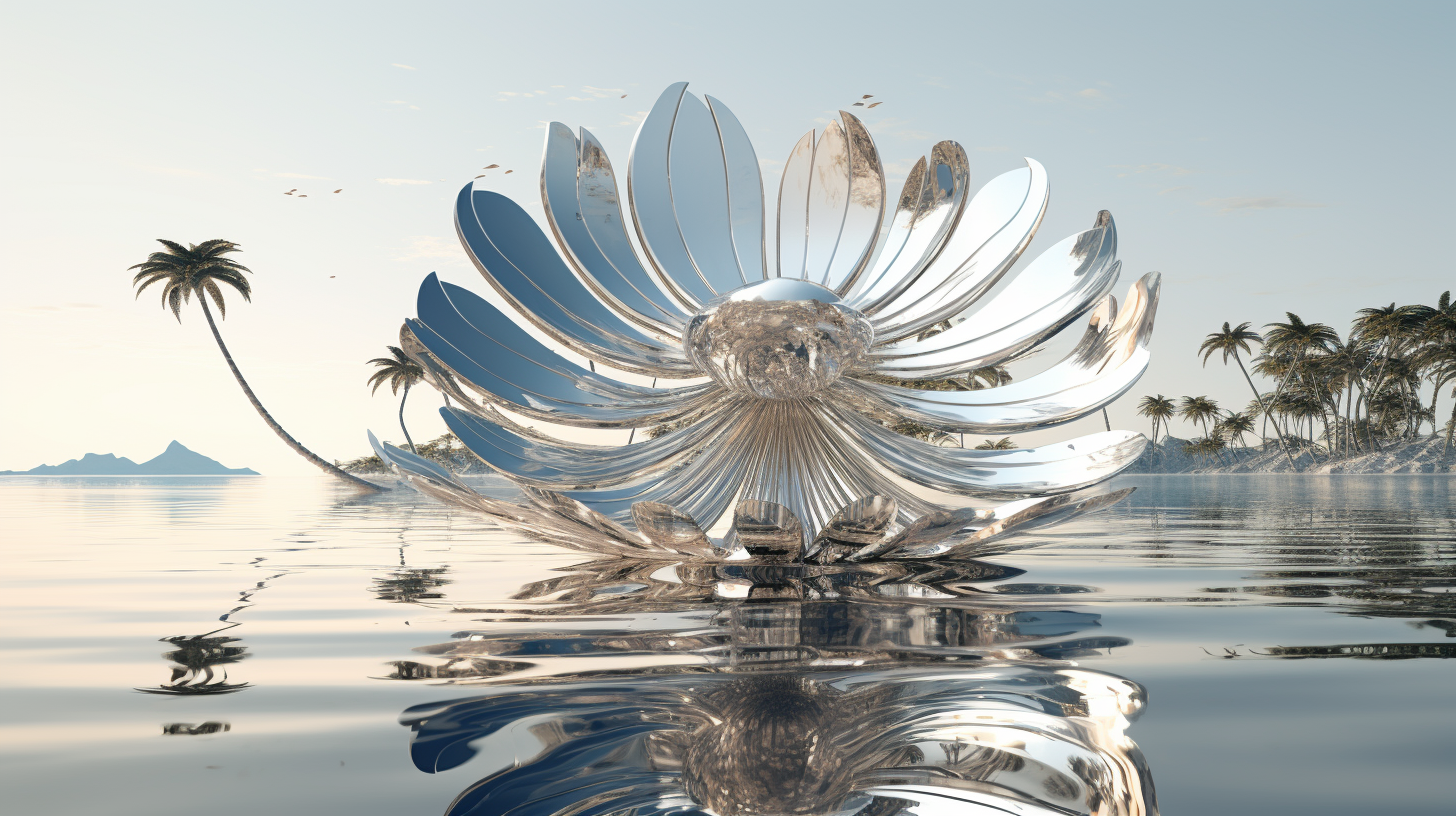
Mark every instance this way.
x=242 y=646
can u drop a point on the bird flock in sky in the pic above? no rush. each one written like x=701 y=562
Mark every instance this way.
x=862 y=103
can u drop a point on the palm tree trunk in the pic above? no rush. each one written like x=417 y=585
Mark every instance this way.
x=1450 y=428
x=1265 y=409
x=407 y=439
x=328 y=468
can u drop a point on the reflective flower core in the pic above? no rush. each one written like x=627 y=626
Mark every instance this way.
x=777 y=339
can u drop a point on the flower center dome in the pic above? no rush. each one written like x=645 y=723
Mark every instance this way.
x=782 y=338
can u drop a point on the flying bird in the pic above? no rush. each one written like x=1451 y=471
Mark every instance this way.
x=510 y=171
x=874 y=104
x=331 y=277
x=857 y=105
x=623 y=96
x=867 y=96
x=491 y=166
x=482 y=175
x=340 y=190
x=288 y=193
x=301 y=195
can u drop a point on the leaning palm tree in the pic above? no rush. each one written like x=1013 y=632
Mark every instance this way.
x=1159 y=409
x=1295 y=341
x=1439 y=361
x=203 y=269
x=400 y=372
x=1004 y=444
x=1229 y=343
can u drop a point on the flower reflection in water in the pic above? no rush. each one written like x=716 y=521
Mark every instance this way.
x=873 y=690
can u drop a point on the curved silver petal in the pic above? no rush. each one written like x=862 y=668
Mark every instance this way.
x=601 y=212
x=650 y=194
x=521 y=264
x=865 y=212
x=1062 y=284
x=671 y=529
x=697 y=177
x=996 y=227
x=573 y=510
x=863 y=521
x=745 y=192
x=828 y=202
x=568 y=168
x=1110 y=358
x=767 y=530
x=930 y=204
x=926 y=531
x=792 y=235
x=1055 y=468
x=503 y=362
x=434 y=481
x=1015 y=518
x=561 y=465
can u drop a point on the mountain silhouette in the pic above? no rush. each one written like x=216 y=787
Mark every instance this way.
x=176 y=460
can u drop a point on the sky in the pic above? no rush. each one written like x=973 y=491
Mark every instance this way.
x=1264 y=157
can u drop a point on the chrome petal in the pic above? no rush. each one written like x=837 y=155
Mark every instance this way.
x=520 y=263
x=579 y=194
x=768 y=531
x=926 y=531
x=1015 y=518
x=561 y=465
x=866 y=208
x=930 y=205
x=671 y=529
x=828 y=202
x=792 y=236
x=1110 y=358
x=745 y=192
x=488 y=352
x=699 y=183
x=649 y=192
x=997 y=226
x=1062 y=284
x=860 y=522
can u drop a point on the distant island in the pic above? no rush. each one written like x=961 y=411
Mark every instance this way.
x=176 y=460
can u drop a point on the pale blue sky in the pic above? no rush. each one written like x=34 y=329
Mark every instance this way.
x=1262 y=156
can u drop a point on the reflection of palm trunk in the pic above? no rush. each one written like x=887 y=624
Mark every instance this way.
x=268 y=418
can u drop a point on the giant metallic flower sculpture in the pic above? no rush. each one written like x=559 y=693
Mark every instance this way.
x=775 y=362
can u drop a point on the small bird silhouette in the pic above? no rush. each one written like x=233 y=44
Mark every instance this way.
x=491 y=166
x=510 y=171
x=301 y=195
x=294 y=190
x=340 y=190
x=623 y=96
x=482 y=175
x=288 y=193
x=867 y=96
x=857 y=105
x=331 y=277
x=874 y=104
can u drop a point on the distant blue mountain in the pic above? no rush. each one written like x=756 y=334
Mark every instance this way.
x=176 y=460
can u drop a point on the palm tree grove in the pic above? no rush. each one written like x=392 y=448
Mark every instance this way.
x=1329 y=399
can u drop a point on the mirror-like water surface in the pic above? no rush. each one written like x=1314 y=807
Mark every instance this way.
x=1213 y=644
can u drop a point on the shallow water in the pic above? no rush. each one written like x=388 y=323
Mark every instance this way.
x=245 y=645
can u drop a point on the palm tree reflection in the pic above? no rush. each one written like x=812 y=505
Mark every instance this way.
x=198 y=662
